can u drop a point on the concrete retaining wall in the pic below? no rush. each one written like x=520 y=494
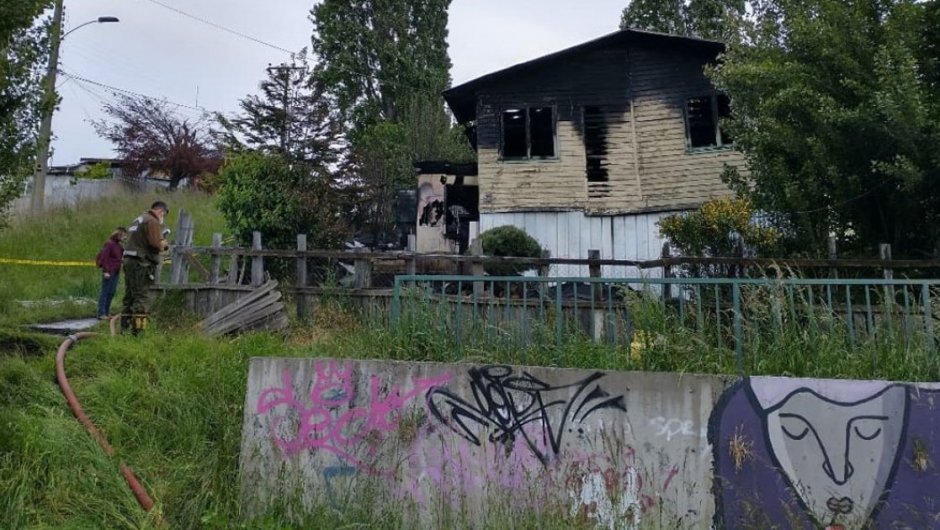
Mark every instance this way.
x=620 y=450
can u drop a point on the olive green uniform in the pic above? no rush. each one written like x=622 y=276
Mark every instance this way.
x=141 y=256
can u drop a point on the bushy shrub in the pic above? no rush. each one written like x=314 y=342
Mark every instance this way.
x=280 y=199
x=720 y=227
x=509 y=241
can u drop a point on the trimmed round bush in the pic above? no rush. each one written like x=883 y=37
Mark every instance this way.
x=509 y=240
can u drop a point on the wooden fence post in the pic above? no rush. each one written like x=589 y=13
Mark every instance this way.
x=179 y=268
x=597 y=315
x=257 y=262
x=667 y=271
x=363 y=272
x=833 y=253
x=176 y=259
x=215 y=261
x=545 y=268
x=594 y=268
x=884 y=253
x=233 y=269
x=303 y=307
x=411 y=267
x=476 y=266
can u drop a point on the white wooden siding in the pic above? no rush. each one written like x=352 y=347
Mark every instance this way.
x=572 y=234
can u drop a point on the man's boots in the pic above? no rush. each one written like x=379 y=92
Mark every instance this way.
x=138 y=324
x=125 y=323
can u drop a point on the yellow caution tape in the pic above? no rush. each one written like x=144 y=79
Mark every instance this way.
x=48 y=263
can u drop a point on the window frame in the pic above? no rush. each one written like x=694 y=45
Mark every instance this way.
x=720 y=143
x=528 y=133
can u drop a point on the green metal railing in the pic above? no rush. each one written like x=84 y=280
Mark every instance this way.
x=730 y=314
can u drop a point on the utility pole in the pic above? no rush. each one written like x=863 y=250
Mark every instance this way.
x=47 y=108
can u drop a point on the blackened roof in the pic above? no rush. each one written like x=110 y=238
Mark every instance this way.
x=462 y=98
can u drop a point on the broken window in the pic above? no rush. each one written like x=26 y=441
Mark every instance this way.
x=514 y=133
x=595 y=143
x=703 y=121
x=528 y=133
x=541 y=133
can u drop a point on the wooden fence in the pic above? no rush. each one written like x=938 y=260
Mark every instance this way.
x=215 y=275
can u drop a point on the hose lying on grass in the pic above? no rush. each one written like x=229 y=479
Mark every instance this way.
x=142 y=497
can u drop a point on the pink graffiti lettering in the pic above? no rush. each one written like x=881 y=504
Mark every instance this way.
x=325 y=425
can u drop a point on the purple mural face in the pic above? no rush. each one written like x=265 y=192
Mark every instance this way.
x=810 y=453
x=837 y=455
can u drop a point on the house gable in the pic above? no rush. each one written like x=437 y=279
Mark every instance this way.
x=618 y=122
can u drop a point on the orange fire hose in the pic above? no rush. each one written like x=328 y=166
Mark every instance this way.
x=142 y=497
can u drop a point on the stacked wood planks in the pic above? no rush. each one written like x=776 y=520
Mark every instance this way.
x=260 y=310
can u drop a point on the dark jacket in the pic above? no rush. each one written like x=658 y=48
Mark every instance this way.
x=110 y=256
x=145 y=239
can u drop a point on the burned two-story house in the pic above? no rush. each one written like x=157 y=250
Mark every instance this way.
x=589 y=147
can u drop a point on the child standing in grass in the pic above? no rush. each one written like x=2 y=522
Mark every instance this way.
x=109 y=261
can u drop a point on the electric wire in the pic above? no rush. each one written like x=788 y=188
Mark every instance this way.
x=221 y=27
x=125 y=91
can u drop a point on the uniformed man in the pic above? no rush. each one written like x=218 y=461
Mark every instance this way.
x=145 y=242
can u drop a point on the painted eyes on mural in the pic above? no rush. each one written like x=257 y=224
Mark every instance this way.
x=794 y=426
x=867 y=427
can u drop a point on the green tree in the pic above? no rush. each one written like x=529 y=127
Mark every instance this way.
x=294 y=116
x=664 y=16
x=374 y=54
x=836 y=111
x=708 y=19
x=23 y=52
x=387 y=63
x=279 y=198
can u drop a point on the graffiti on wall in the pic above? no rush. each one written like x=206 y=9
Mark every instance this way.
x=328 y=417
x=430 y=206
x=512 y=406
x=810 y=453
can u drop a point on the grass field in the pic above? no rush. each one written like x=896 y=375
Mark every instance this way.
x=31 y=293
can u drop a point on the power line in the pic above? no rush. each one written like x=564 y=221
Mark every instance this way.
x=221 y=27
x=130 y=92
x=846 y=201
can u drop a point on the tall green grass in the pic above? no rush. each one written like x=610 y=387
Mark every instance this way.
x=171 y=403
x=76 y=234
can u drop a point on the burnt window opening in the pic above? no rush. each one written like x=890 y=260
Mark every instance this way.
x=528 y=133
x=703 y=120
x=595 y=144
x=514 y=134
x=541 y=133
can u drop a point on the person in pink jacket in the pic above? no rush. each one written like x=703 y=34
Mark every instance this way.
x=109 y=261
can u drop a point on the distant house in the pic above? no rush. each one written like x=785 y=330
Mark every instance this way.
x=68 y=185
x=589 y=147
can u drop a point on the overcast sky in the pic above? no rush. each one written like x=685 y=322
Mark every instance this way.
x=164 y=54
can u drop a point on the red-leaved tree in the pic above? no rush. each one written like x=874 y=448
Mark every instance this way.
x=152 y=139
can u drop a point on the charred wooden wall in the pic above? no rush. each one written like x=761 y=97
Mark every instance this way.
x=639 y=97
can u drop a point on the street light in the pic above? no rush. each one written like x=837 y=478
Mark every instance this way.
x=99 y=20
x=48 y=104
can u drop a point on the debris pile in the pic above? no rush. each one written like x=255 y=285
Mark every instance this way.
x=260 y=310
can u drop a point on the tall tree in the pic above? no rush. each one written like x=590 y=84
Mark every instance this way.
x=387 y=63
x=294 y=116
x=708 y=19
x=153 y=139
x=23 y=52
x=376 y=53
x=836 y=111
